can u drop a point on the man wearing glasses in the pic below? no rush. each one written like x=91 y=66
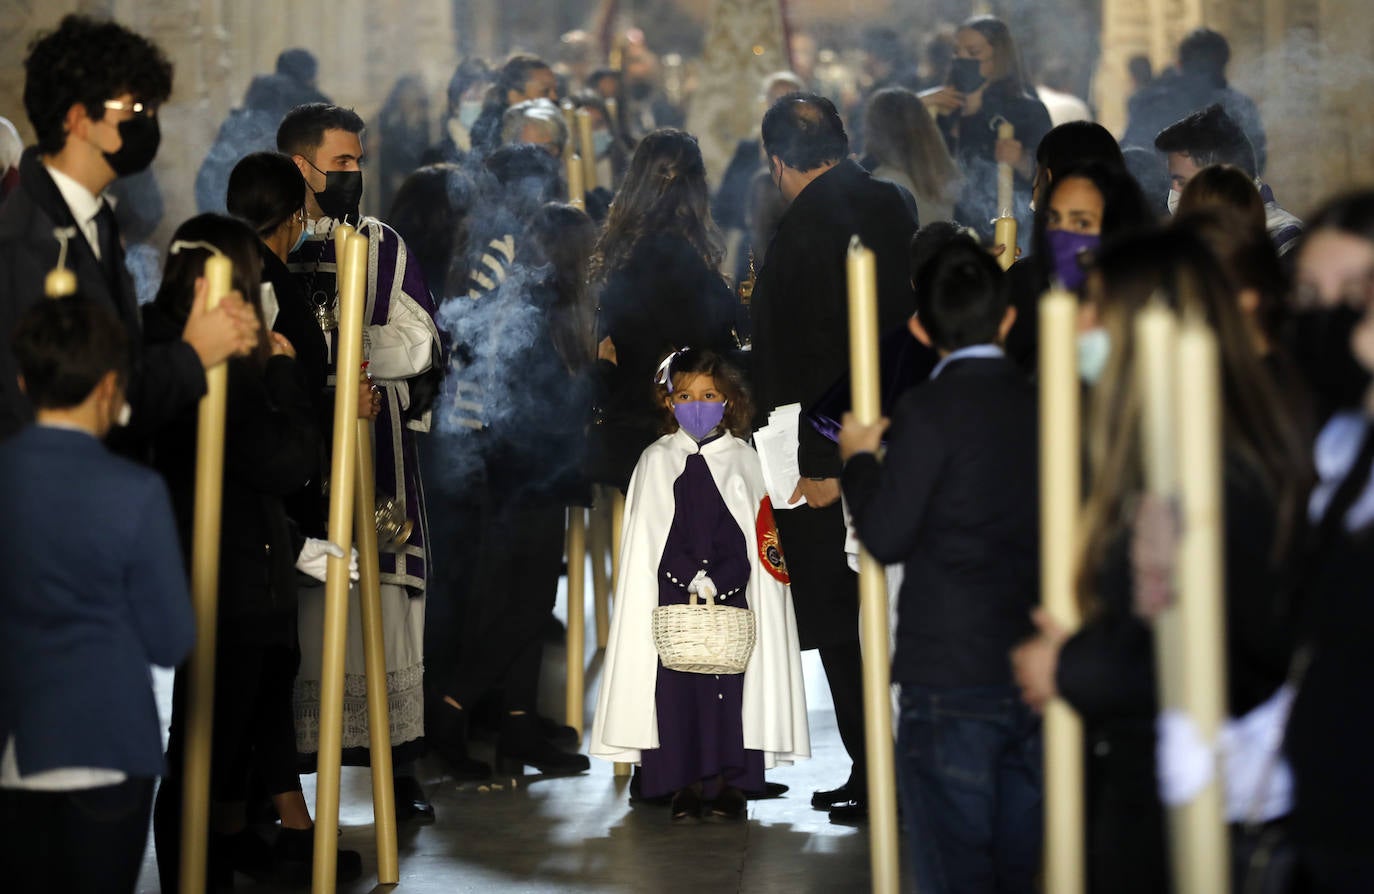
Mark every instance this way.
x=92 y=90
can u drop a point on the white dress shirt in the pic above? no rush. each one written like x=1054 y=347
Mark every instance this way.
x=83 y=204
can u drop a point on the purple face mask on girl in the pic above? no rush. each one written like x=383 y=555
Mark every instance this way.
x=698 y=417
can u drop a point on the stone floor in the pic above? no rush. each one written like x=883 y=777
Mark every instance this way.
x=580 y=834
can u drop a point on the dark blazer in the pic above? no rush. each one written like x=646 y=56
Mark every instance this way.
x=957 y=501
x=94 y=593
x=270 y=449
x=800 y=302
x=165 y=378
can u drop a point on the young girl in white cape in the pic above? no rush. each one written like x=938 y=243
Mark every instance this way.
x=697 y=516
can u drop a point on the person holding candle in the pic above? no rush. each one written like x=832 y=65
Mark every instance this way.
x=92 y=92
x=800 y=349
x=92 y=597
x=958 y=487
x=696 y=522
x=401 y=347
x=988 y=87
x=1332 y=337
x=1106 y=670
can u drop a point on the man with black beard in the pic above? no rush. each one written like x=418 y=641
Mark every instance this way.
x=800 y=350
x=92 y=91
x=401 y=347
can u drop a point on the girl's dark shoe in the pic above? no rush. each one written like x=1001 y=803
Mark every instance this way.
x=411 y=803
x=522 y=743
x=730 y=805
x=687 y=806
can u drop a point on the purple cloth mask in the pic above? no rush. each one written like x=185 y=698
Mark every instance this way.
x=1065 y=248
x=698 y=417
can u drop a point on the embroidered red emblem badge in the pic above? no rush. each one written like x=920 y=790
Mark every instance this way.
x=770 y=549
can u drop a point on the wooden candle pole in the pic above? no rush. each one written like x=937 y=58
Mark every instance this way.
x=205 y=540
x=1004 y=227
x=884 y=855
x=577 y=615
x=599 y=547
x=1201 y=855
x=617 y=522
x=1059 y=506
x=570 y=120
x=374 y=644
x=352 y=280
x=586 y=147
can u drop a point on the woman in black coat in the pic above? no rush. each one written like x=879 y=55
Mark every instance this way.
x=271 y=444
x=661 y=289
x=971 y=106
x=1106 y=670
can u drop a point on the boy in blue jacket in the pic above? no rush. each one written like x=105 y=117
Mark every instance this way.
x=94 y=592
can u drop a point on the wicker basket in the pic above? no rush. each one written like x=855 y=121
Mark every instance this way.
x=704 y=639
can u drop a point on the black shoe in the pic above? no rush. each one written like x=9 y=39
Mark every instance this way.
x=730 y=805
x=770 y=790
x=245 y=851
x=411 y=803
x=565 y=737
x=850 y=813
x=687 y=806
x=448 y=738
x=294 y=855
x=827 y=799
x=637 y=794
x=522 y=744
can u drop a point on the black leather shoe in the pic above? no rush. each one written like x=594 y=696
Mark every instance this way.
x=522 y=744
x=770 y=790
x=411 y=803
x=827 y=799
x=850 y=813
x=564 y=737
x=687 y=806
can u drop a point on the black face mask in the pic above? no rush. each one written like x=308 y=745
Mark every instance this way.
x=1319 y=343
x=965 y=75
x=342 y=194
x=140 y=137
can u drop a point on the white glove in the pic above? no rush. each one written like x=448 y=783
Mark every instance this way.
x=703 y=586
x=314 y=558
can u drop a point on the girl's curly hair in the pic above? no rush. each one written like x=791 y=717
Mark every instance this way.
x=729 y=381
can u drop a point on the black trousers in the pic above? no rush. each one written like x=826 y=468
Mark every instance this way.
x=505 y=605
x=844 y=672
x=254 y=731
x=91 y=841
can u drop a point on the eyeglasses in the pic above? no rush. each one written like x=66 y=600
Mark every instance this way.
x=138 y=109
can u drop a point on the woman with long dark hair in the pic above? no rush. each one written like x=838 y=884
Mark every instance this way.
x=987 y=86
x=657 y=266
x=1106 y=670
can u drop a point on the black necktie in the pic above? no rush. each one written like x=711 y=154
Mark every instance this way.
x=109 y=245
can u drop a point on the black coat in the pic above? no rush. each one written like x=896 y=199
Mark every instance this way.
x=957 y=501
x=165 y=378
x=270 y=449
x=801 y=348
x=1106 y=672
x=665 y=297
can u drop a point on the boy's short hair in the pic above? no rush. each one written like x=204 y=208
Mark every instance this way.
x=1209 y=137
x=302 y=130
x=64 y=347
x=805 y=131
x=961 y=296
x=87 y=61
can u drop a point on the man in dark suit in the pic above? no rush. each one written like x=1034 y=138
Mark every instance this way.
x=94 y=592
x=800 y=348
x=956 y=500
x=92 y=90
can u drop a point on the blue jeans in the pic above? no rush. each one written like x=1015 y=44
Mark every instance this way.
x=970 y=775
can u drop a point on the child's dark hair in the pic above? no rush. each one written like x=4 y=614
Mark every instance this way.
x=64 y=347
x=729 y=381
x=961 y=297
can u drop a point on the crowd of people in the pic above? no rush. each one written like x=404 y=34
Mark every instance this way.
x=526 y=348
